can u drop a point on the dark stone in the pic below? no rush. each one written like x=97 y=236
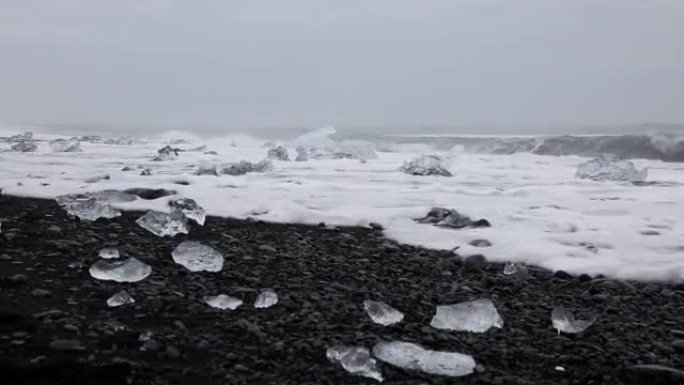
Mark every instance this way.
x=652 y=374
x=475 y=263
x=480 y=243
x=562 y=274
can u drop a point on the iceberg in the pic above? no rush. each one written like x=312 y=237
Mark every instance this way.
x=610 y=168
x=129 y=270
x=195 y=256
x=426 y=165
x=410 y=356
x=355 y=360
x=475 y=316
x=381 y=313
x=163 y=224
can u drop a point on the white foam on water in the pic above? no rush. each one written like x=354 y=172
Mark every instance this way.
x=540 y=213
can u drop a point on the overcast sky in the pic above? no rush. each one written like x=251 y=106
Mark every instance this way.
x=256 y=63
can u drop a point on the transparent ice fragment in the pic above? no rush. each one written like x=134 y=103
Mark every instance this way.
x=86 y=207
x=129 y=270
x=265 y=299
x=119 y=299
x=426 y=165
x=564 y=321
x=356 y=360
x=109 y=253
x=475 y=316
x=414 y=357
x=63 y=145
x=195 y=256
x=223 y=301
x=163 y=224
x=382 y=313
x=190 y=209
x=610 y=168
x=278 y=153
x=513 y=268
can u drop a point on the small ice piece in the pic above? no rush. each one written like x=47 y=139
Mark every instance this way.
x=109 y=253
x=443 y=217
x=222 y=301
x=195 y=256
x=302 y=154
x=564 y=321
x=414 y=357
x=610 y=168
x=166 y=153
x=120 y=298
x=63 y=145
x=26 y=135
x=265 y=299
x=190 y=209
x=278 y=153
x=382 y=313
x=129 y=270
x=426 y=165
x=356 y=360
x=243 y=167
x=475 y=316
x=206 y=170
x=24 y=146
x=163 y=224
x=87 y=208
x=513 y=268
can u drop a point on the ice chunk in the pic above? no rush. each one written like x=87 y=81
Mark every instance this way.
x=475 y=316
x=24 y=136
x=382 y=313
x=195 y=256
x=166 y=153
x=266 y=298
x=129 y=270
x=243 y=167
x=163 y=224
x=223 y=301
x=451 y=218
x=609 y=167
x=564 y=321
x=109 y=253
x=512 y=268
x=24 y=146
x=356 y=360
x=206 y=170
x=87 y=207
x=426 y=165
x=190 y=209
x=414 y=357
x=278 y=153
x=302 y=154
x=120 y=298
x=63 y=145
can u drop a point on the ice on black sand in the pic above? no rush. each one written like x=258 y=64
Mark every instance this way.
x=87 y=207
x=266 y=299
x=195 y=256
x=356 y=360
x=222 y=301
x=382 y=313
x=514 y=268
x=109 y=253
x=164 y=224
x=119 y=299
x=564 y=321
x=475 y=316
x=129 y=270
x=410 y=356
x=190 y=209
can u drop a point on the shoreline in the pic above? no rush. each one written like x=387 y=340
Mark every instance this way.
x=322 y=276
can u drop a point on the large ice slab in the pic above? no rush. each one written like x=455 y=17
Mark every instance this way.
x=190 y=209
x=222 y=301
x=564 y=321
x=610 y=168
x=426 y=165
x=129 y=270
x=164 y=224
x=195 y=256
x=382 y=313
x=474 y=316
x=410 y=356
x=87 y=207
x=356 y=360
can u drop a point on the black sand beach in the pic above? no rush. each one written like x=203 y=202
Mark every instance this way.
x=322 y=276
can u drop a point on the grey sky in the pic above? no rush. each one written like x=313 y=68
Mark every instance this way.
x=254 y=63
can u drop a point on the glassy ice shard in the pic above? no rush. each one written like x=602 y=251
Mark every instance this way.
x=190 y=209
x=109 y=253
x=382 y=313
x=356 y=360
x=129 y=270
x=119 y=299
x=163 y=224
x=475 y=316
x=564 y=321
x=513 y=268
x=265 y=299
x=223 y=301
x=86 y=207
x=195 y=256
x=410 y=356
